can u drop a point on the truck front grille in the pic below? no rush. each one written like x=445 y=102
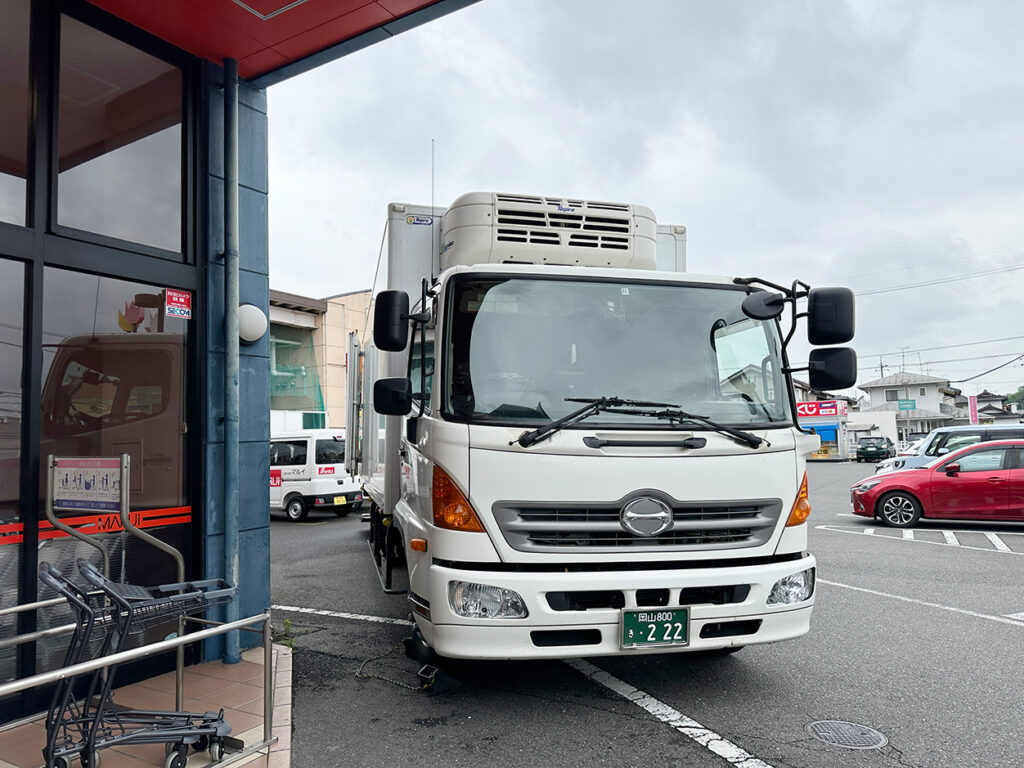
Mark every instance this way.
x=539 y=527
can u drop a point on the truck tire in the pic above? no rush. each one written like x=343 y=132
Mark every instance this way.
x=295 y=509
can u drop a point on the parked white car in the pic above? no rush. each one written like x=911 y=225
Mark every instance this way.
x=307 y=471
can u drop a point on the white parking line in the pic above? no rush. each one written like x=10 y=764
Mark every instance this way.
x=1019 y=616
x=997 y=542
x=342 y=615
x=685 y=725
x=908 y=534
x=948 y=535
x=987 y=616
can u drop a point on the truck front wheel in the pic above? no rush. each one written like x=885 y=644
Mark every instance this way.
x=295 y=509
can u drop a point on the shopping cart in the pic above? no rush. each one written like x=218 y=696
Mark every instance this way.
x=80 y=724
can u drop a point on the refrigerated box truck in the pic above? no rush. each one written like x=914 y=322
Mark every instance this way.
x=570 y=452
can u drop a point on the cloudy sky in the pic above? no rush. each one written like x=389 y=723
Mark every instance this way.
x=874 y=144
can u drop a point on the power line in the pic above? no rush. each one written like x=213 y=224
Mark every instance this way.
x=951 y=360
x=947 y=346
x=940 y=281
x=972 y=378
x=930 y=263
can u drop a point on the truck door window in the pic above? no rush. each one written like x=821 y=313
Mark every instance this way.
x=414 y=369
x=743 y=358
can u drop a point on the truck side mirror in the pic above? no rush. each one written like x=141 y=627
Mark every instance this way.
x=830 y=317
x=762 y=305
x=392 y=397
x=391 y=321
x=832 y=368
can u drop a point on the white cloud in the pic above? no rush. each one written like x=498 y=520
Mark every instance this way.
x=793 y=139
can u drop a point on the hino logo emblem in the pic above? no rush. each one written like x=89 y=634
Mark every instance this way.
x=646 y=516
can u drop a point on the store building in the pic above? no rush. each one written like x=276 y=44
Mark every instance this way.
x=133 y=224
x=827 y=419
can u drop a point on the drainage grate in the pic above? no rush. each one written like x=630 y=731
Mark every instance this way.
x=840 y=733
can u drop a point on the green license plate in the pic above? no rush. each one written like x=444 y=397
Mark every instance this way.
x=649 y=627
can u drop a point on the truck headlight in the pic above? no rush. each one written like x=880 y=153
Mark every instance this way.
x=793 y=589
x=480 y=601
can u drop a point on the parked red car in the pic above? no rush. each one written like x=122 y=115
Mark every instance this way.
x=984 y=481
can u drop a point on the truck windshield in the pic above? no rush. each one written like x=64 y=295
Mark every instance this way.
x=516 y=348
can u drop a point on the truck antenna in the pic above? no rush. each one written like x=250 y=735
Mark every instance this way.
x=433 y=234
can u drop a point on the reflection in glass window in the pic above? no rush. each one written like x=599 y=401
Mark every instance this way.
x=11 y=297
x=113 y=382
x=330 y=451
x=119 y=140
x=982 y=461
x=287 y=453
x=521 y=350
x=294 y=378
x=13 y=109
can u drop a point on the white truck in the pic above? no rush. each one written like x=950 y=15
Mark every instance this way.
x=307 y=472
x=579 y=454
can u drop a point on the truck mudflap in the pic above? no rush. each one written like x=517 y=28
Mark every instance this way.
x=619 y=613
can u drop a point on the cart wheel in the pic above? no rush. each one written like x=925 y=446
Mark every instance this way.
x=60 y=762
x=169 y=747
x=175 y=760
x=93 y=761
x=201 y=743
x=216 y=750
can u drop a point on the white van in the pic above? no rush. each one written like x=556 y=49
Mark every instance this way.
x=307 y=471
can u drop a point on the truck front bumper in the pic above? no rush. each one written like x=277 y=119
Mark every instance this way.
x=550 y=633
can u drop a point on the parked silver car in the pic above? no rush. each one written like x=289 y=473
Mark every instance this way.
x=945 y=439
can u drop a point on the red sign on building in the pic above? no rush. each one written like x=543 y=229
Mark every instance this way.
x=822 y=408
x=178 y=303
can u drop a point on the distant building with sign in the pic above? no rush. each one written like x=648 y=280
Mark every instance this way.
x=827 y=419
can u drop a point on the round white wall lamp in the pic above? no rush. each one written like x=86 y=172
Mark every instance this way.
x=252 y=323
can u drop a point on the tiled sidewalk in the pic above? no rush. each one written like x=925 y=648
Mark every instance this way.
x=238 y=688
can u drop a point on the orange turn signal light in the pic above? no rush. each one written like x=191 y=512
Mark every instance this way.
x=801 y=507
x=451 y=508
x=418 y=545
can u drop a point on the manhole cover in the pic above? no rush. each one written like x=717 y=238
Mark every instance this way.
x=840 y=733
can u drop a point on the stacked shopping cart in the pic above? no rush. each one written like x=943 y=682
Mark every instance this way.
x=83 y=719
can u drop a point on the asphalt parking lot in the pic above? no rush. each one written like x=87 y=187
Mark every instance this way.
x=916 y=635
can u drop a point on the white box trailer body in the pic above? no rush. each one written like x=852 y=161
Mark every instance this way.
x=620 y=533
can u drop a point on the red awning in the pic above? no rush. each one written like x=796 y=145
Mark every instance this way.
x=268 y=36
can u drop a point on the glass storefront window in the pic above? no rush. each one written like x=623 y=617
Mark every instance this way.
x=119 y=140
x=13 y=109
x=113 y=382
x=12 y=275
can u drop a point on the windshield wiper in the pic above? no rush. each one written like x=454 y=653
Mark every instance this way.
x=674 y=414
x=593 y=405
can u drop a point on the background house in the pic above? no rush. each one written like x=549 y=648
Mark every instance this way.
x=308 y=357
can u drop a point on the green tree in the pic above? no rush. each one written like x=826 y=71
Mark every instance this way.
x=1016 y=397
